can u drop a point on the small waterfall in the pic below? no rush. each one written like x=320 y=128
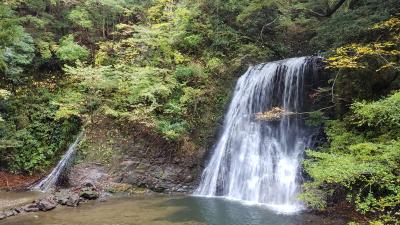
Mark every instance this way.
x=50 y=180
x=258 y=161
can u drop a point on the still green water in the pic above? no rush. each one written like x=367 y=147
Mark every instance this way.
x=166 y=210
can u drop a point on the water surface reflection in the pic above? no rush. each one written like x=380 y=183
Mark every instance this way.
x=166 y=210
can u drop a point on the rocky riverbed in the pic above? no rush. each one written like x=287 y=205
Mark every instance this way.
x=68 y=197
x=95 y=182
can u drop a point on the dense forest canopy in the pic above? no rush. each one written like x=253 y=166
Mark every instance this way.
x=168 y=66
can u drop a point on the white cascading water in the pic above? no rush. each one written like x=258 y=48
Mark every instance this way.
x=50 y=180
x=258 y=161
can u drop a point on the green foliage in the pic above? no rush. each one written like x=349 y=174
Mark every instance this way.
x=190 y=73
x=81 y=18
x=380 y=114
x=154 y=73
x=316 y=118
x=363 y=160
x=16 y=47
x=11 y=29
x=138 y=94
x=192 y=41
x=172 y=131
x=167 y=66
x=70 y=105
x=4 y=94
x=17 y=56
x=353 y=223
x=359 y=56
x=314 y=197
x=69 y=51
x=256 y=7
x=352 y=23
x=96 y=153
x=30 y=136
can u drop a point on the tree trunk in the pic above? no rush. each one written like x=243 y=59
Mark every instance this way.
x=335 y=8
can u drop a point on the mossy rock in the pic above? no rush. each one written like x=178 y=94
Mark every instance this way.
x=89 y=193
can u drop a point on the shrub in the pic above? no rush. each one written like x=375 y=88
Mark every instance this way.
x=363 y=161
x=69 y=51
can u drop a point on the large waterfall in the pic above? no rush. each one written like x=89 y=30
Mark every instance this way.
x=254 y=160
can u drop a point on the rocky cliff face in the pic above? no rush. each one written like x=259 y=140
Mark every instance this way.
x=127 y=154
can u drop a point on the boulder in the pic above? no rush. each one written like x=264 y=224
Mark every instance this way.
x=3 y=215
x=7 y=213
x=89 y=193
x=158 y=188
x=68 y=198
x=89 y=185
x=18 y=210
x=103 y=197
x=46 y=204
x=30 y=208
x=83 y=174
x=73 y=200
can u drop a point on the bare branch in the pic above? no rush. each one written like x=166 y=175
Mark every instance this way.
x=266 y=25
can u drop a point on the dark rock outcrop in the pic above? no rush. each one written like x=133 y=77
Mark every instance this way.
x=141 y=158
x=47 y=204
x=30 y=208
x=158 y=177
x=88 y=173
x=69 y=197
x=89 y=192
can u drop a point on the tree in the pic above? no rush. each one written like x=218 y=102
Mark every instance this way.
x=16 y=47
x=384 y=51
x=69 y=51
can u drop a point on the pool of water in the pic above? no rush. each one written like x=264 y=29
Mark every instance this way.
x=166 y=210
